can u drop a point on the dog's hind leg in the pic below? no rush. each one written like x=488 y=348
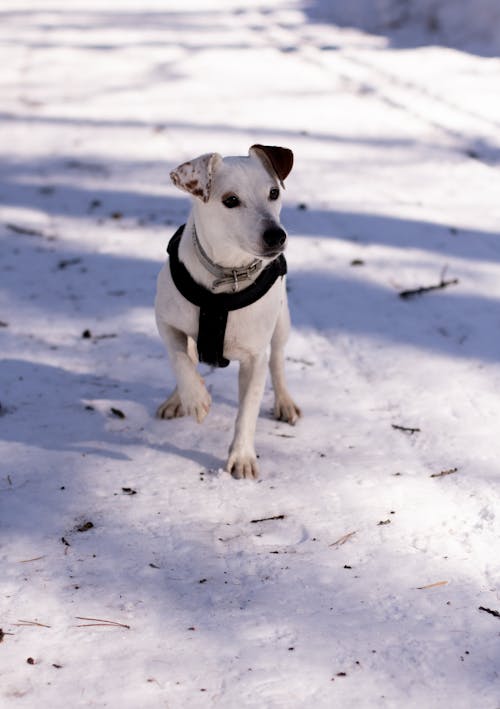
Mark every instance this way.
x=194 y=399
x=285 y=409
x=242 y=461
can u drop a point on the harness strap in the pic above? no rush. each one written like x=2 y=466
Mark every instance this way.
x=214 y=307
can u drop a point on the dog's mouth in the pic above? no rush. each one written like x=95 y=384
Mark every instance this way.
x=267 y=252
x=272 y=253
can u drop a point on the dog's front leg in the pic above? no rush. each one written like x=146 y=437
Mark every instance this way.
x=242 y=461
x=285 y=409
x=191 y=389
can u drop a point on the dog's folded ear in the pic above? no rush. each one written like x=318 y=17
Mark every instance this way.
x=195 y=176
x=278 y=161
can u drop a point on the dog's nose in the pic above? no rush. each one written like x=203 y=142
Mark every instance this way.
x=274 y=237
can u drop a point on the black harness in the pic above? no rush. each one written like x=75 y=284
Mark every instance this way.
x=214 y=307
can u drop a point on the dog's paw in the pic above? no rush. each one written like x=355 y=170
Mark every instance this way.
x=285 y=409
x=242 y=465
x=171 y=407
x=195 y=399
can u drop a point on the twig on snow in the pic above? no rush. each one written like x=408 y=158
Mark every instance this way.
x=343 y=539
x=444 y=472
x=267 y=519
x=443 y=283
x=405 y=429
x=28 y=231
x=32 y=623
x=490 y=611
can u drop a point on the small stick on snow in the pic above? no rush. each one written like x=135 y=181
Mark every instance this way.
x=426 y=289
x=432 y=585
x=102 y=622
x=266 y=519
x=444 y=472
x=490 y=611
x=27 y=561
x=32 y=622
x=405 y=429
x=105 y=336
x=28 y=231
x=343 y=539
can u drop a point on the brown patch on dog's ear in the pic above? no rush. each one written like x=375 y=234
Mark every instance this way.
x=279 y=160
x=195 y=176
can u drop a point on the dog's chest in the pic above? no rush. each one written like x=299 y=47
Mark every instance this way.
x=248 y=330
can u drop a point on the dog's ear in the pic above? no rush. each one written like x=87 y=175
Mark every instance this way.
x=277 y=160
x=195 y=176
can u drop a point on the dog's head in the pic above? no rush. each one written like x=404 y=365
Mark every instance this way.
x=240 y=196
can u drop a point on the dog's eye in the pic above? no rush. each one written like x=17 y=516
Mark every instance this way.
x=231 y=201
x=274 y=193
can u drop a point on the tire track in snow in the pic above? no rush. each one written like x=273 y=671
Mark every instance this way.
x=473 y=134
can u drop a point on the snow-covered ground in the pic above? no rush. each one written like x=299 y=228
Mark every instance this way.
x=365 y=589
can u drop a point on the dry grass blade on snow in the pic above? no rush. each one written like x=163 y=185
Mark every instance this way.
x=343 y=539
x=432 y=585
x=101 y=622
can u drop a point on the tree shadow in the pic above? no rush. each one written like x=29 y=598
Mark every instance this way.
x=67 y=186
x=163 y=29
x=407 y=26
x=79 y=410
x=447 y=322
x=447 y=240
x=481 y=149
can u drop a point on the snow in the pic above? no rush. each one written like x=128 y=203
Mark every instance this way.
x=397 y=155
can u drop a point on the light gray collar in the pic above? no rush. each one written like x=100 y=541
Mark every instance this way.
x=223 y=275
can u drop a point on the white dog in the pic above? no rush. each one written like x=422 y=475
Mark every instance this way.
x=222 y=296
